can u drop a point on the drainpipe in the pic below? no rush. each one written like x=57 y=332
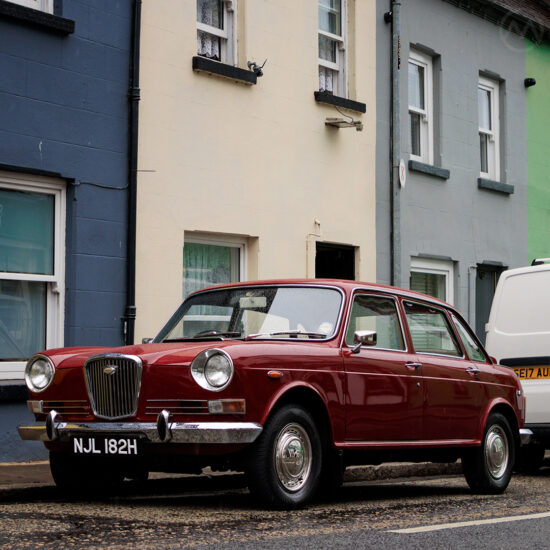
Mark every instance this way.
x=133 y=112
x=395 y=200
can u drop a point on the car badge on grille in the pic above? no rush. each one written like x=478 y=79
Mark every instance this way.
x=111 y=369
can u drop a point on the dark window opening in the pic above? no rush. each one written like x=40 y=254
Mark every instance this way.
x=334 y=262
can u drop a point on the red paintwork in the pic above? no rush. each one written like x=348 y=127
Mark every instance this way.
x=372 y=399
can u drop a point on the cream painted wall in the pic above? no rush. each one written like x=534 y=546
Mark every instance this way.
x=256 y=161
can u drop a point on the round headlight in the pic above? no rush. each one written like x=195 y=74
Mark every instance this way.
x=39 y=373
x=212 y=369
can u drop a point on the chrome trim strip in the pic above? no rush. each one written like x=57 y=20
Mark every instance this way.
x=525 y=436
x=182 y=432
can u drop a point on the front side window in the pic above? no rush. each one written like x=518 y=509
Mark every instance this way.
x=207 y=263
x=216 y=30
x=472 y=348
x=31 y=272
x=421 y=107
x=379 y=314
x=488 y=115
x=41 y=5
x=432 y=277
x=430 y=330
x=332 y=47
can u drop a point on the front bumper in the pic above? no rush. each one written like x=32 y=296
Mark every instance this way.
x=526 y=436
x=179 y=432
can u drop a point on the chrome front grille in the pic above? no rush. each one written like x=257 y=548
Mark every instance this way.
x=176 y=406
x=113 y=382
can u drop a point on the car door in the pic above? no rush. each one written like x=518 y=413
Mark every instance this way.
x=383 y=382
x=453 y=394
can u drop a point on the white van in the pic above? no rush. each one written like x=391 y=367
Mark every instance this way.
x=518 y=336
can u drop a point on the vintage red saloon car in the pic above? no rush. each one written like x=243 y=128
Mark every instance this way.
x=288 y=381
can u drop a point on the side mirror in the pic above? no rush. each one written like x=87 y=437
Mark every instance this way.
x=364 y=338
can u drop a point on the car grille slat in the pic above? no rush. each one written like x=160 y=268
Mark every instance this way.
x=113 y=384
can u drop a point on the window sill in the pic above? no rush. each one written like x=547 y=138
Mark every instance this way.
x=205 y=65
x=498 y=186
x=417 y=166
x=36 y=18
x=330 y=99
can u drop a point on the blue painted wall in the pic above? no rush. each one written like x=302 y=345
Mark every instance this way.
x=64 y=109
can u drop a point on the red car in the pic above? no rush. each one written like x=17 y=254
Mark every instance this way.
x=288 y=381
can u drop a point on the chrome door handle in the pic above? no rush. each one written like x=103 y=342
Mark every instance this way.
x=413 y=366
x=473 y=371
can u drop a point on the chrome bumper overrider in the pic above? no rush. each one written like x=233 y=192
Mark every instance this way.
x=525 y=436
x=185 y=432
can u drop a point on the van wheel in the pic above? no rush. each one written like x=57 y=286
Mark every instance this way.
x=530 y=458
x=488 y=468
x=284 y=467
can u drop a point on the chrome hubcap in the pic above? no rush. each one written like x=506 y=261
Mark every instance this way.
x=293 y=457
x=496 y=452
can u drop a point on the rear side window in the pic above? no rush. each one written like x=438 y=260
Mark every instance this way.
x=376 y=313
x=430 y=330
x=473 y=349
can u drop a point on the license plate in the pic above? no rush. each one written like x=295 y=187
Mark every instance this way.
x=106 y=446
x=532 y=373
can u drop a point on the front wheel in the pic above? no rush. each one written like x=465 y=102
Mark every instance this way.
x=285 y=463
x=488 y=468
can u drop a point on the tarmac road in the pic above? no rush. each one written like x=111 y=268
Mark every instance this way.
x=217 y=512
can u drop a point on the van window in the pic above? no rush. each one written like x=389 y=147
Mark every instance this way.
x=524 y=304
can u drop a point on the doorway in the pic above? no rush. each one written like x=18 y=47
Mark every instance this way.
x=486 y=284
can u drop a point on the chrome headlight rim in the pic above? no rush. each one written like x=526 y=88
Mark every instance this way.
x=50 y=370
x=199 y=365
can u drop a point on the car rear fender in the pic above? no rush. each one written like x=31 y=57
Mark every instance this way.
x=503 y=407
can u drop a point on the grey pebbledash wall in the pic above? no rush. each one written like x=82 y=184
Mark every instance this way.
x=64 y=111
x=454 y=218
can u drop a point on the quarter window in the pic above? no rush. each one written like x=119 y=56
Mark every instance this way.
x=378 y=314
x=216 y=20
x=489 y=122
x=421 y=107
x=332 y=47
x=472 y=348
x=430 y=330
x=31 y=270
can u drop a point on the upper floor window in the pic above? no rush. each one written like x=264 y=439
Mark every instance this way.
x=488 y=115
x=332 y=47
x=42 y=5
x=216 y=30
x=421 y=107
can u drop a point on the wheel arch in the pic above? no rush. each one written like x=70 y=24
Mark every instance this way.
x=508 y=412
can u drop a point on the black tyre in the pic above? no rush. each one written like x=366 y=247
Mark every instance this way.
x=81 y=477
x=530 y=459
x=488 y=468
x=285 y=464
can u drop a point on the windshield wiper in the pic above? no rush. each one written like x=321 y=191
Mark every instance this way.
x=209 y=333
x=291 y=333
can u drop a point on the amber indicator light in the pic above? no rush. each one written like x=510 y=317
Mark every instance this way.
x=275 y=374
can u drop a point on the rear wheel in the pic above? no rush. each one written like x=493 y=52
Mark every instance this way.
x=488 y=468
x=285 y=465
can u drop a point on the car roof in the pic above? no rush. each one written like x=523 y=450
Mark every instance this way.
x=347 y=286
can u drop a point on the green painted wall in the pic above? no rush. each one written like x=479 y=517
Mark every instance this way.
x=537 y=65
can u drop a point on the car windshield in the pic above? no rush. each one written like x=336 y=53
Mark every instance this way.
x=256 y=312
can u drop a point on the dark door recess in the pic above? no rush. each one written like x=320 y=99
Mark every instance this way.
x=486 y=284
x=334 y=262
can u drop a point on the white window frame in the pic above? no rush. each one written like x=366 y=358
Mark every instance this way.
x=55 y=294
x=40 y=5
x=426 y=114
x=222 y=240
x=340 y=67
x=228 y=35
x=493 y=143
x=437 y=267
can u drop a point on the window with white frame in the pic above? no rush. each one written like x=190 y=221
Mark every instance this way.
x=41 y=5
x=432 y=277
x=212 y=260
x=332 y=47
x=32 y=236
x=489 y=123
x=421 y=106
x=216 y=30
